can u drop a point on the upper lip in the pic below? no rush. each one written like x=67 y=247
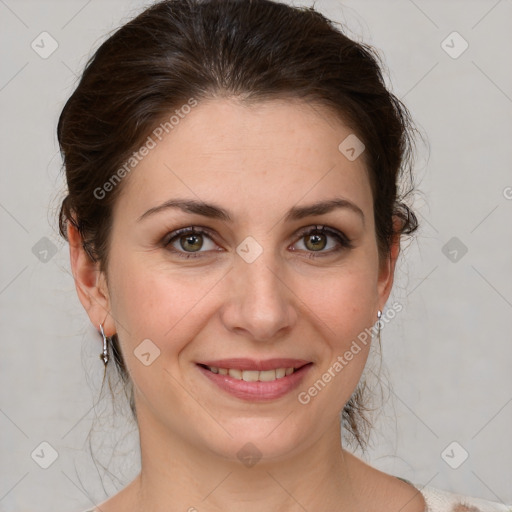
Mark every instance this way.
x=242 y=363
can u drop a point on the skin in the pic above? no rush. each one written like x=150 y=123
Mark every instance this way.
x=256 y=162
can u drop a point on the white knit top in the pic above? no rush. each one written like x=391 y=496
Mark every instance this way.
x=438 y=500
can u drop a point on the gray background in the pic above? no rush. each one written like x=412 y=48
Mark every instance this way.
x=447 y=355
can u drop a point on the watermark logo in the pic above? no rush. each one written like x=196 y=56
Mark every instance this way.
x=249 y=455
x=44 y=455
x=454 y=45
x=147 y=352
x=44 y=45
x=454 y=455
x=304 y=397
x=351 y=147
x=454 y=250
x=44 y=250
x=249 y=249
x=151 y=142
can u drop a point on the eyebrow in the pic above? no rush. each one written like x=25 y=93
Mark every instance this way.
x=213 y=211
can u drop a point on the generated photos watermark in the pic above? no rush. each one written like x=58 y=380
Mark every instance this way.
x=151 y=142
x=304 y=397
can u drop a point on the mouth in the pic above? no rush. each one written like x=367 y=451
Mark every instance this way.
x=256 y=381
x=253 y=375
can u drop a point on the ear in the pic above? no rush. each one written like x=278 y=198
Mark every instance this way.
x=90 y=283
x=387 y=267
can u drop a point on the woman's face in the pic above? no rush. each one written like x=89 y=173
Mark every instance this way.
x=251 y=283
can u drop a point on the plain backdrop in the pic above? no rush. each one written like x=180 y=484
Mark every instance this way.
x=447 y=355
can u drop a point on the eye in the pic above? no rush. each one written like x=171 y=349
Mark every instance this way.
x=316 y=239
x=186 y=242
x=191 y=241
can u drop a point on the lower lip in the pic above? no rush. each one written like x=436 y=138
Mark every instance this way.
x=257 y=391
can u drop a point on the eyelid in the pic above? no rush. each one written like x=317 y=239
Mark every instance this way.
x=320 y=228
x=187 y=230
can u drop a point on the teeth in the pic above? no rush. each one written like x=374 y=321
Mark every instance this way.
x=236 y=374
x=253 y=375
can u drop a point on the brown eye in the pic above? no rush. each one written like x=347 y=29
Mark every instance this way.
x=191 y=242
x=315 y=242
x=320 y=241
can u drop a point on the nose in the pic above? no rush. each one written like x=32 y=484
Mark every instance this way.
x=259 y=303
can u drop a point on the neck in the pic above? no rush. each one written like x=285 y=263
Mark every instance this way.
x=178 y=475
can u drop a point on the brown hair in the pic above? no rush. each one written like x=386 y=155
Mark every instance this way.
x=253 y=50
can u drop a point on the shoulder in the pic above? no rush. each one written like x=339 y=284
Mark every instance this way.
x=439 y=500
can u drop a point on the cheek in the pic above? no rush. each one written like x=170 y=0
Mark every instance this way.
x=344 y=301
x=157 y=304
x=343 y=306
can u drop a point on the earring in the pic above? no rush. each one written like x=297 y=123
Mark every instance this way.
x=104 y=354
x=379 y=315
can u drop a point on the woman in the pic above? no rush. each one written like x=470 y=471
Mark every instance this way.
x=234 y=218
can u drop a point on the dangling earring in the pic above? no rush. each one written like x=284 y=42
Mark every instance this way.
x=104 y=354
x=379 y=315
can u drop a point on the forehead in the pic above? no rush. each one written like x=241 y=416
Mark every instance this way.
x=285 y=150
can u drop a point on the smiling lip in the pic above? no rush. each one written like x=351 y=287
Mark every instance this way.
x=258 y=391
x=253 y=364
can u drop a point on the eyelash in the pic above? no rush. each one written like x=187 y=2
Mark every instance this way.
x=344 y=242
